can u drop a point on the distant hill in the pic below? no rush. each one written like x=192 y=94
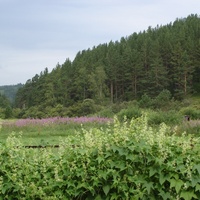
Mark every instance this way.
x=138 y=66
x=10 y=91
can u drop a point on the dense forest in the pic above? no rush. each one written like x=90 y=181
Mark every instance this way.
x=166 y=57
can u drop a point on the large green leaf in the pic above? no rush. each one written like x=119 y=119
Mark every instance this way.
x=195 y=180
x=197 y=167
x=197 y=187
x=153 y=170
x=148 y=186
x=165 y=195
x=188 y=195
x=177 y=184
x=106 y=189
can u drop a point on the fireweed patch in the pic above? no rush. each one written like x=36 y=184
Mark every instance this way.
x=59 y=120
x=128 y=160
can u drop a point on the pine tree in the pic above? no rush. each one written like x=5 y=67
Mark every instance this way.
x=182 y=71
x=158 y=80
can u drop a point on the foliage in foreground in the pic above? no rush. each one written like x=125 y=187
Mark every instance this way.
x=130 y=161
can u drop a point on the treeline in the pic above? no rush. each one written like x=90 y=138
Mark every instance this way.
x=5 y=107
x=10 y=91
x=7 y=100
x=161 y=58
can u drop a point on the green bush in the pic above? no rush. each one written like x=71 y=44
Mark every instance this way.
x=8 y=112
x=117 y=107
x=33 y=112
x=84 y=108
x=162 y=100
x=192 y=112
x=16 y=112
x=106 y=112
x=88 y=107
x=145 y=101
x=169 y=117
x=129 y=113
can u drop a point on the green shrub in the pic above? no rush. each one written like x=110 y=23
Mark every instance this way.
x=192 y=112
x=8 y=112
x=84 y=108
x=16 y=112
x=162 y=100
x=145 y=101
x=169 y=117
x=88 y=107
x=106 y=112
x=32 y=112
x=129 y=113
x=117 y=107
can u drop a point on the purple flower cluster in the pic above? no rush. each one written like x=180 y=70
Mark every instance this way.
x=61 y=120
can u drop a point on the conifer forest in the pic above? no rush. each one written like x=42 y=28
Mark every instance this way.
x=162 y=58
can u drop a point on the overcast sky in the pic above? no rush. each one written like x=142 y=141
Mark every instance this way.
x=40 y=33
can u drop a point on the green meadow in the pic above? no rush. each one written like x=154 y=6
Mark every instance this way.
x=49 y=131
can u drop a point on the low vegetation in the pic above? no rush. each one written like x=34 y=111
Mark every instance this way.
x=49 y=131
x=125 y=160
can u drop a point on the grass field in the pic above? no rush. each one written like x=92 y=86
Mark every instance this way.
x=48 y=131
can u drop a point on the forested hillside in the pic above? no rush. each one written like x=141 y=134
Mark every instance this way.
x=166 y=57
x=10 y=91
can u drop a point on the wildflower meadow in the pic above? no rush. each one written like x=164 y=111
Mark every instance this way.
x=50 y=130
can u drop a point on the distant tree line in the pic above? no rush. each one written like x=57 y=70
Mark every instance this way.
x=166 y=57
x=5 y=107
x=10 y=91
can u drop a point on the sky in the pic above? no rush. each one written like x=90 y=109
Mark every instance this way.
x=39 y=34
